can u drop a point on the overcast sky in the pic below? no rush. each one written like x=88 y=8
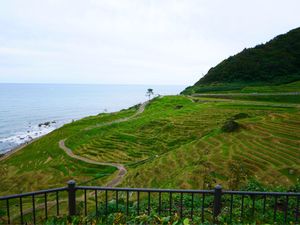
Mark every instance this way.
x=131 y=42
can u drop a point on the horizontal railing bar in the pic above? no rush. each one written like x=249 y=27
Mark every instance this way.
x=152 y=190
x=189 y=191
x=144 y=189
x=32 y=193
x=261 y=193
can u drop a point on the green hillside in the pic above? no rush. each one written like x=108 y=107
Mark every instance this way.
x=42 y=164
x=176 y=142
x=273 y=63
x=240 y=127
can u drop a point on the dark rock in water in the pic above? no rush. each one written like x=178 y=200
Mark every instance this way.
x=230 y=126
x=28 y=131
x=53 y=121
x=46 y=124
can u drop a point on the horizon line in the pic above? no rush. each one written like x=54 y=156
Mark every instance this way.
x=54 y=83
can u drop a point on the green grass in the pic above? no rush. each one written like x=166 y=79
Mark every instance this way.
x=284 y=93
x=175 y=143
x=184 y=148
x=290 y=87
x=264 y=98
x=43 y=165
x=243 y=88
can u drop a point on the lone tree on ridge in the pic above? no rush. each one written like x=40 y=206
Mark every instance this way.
x=149 y=93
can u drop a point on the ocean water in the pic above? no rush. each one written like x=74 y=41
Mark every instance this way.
x=25 y=107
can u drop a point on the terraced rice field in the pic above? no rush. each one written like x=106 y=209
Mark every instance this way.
x=43 y=165
x=177 y=142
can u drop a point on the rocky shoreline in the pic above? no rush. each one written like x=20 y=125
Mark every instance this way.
x=16 y=149
x=19 y=141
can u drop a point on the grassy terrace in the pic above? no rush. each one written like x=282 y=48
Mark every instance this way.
x=244 y=88
x=176 y=142
x=43 y=165
x=290 y=87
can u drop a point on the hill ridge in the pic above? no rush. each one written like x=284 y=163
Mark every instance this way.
x=275 y=62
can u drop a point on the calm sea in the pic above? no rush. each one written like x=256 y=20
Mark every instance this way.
x=24 y=106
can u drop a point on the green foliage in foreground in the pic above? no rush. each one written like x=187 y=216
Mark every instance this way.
x=119 y=219
x=276 y=62
x=249 y=215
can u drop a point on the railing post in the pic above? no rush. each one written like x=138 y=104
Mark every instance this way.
x=217 y=202
x=72 y=197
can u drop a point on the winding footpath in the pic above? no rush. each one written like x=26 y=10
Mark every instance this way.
x=121 y=168
x=112 y=183
x=139 y=111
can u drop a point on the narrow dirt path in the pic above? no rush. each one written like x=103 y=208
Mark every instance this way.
x=120 y=167
x=112 y=183
x=139 y=111
x=122 y=170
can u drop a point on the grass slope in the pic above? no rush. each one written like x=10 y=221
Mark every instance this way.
x=243 y=88
x=42 y=164
x=176 y=142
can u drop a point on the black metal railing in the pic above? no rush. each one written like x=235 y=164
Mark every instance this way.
x=18 y=201
x=197 y=205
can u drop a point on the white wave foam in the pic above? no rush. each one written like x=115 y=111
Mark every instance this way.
x=19 y=138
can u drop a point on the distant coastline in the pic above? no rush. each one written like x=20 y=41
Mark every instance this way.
x=23 y=107
x=26 y=137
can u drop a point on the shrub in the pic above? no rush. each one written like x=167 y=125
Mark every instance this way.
x=230 y=126
x=240 y=116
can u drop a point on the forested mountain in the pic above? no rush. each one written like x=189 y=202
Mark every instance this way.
x=276 y=62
